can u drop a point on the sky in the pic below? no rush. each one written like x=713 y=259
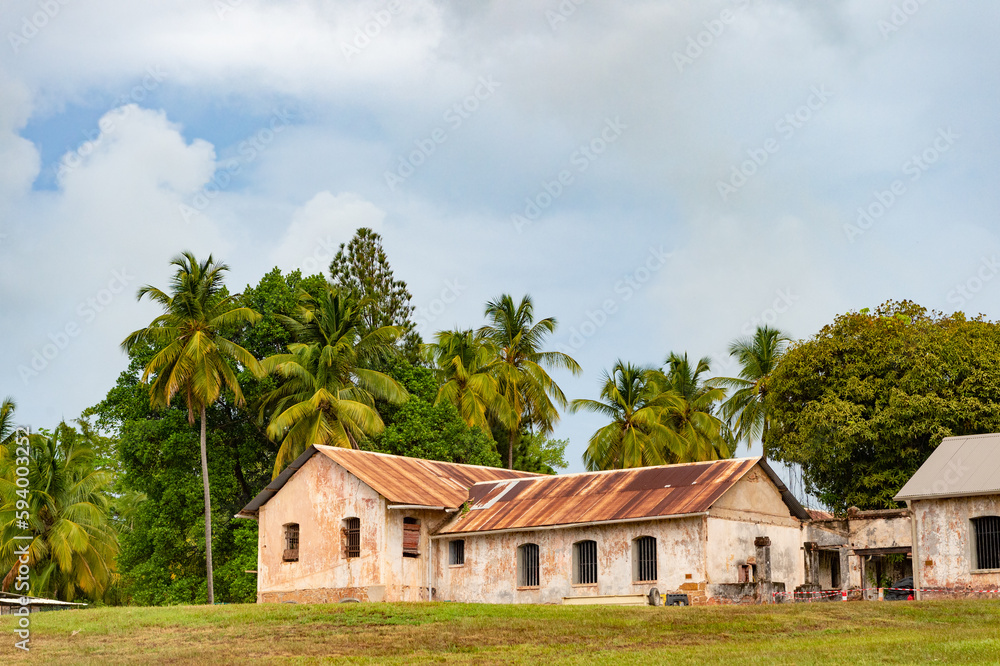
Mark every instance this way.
x=658 y=176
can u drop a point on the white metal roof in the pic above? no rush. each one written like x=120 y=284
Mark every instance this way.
x=959 y=467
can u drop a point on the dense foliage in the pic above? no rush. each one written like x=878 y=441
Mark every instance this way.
x=66 y=509
x=861 y=405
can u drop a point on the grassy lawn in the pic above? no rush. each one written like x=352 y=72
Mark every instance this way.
x=955 y=632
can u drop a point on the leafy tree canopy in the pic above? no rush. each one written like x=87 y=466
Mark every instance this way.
x=863 y=403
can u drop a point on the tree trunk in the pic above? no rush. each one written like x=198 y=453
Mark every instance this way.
x=208 y=510
x=510 y=450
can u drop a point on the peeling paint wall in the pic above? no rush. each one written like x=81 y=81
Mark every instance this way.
x=319 y=497
x=879 y=532
x=489 y=574
x=753 y=508
x=945 y=542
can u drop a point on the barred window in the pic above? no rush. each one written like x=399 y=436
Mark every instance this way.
x=411 y=537
x=527 y=565
x=291 y=552
x=352 y=537
x=986 y=542
x=644 y=559
x=456 y=552
x=585 y=562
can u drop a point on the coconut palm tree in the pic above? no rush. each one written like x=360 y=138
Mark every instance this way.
x=702 y=435
x=328 y=395
x=745 y=409
x=7 y=408
x=193 y=353
x=73 y=546
x=466 y=362
x=526 y=387
x=638 y=434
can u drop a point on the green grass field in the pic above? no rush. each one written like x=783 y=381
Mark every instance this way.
x=952 y=632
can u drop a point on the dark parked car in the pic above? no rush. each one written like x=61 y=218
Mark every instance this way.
x=903 y=590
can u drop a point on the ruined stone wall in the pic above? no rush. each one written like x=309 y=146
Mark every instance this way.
x=489 y=574
x=945 y=543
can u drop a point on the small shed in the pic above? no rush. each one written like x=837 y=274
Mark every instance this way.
x=954 y=501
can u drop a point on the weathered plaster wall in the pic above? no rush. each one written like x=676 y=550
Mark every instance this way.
x=944 y=534
x=319 y=497
x=877 y=532
x=753 y=508
x=406 y=577
x=489 y=574
x=731 y=543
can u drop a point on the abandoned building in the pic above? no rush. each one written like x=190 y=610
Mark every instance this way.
x=862 y=551
x=954 y=502
x=345 y=524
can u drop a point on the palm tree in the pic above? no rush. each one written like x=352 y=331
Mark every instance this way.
x=702 y=435
x=73 y=546
x=328 y=395
x=193 y=353
x=7 y=408
x=638 y=434
x=745 y=409
x=524 y=384
x=466 y=362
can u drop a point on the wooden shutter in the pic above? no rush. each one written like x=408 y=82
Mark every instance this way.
x=411 y=537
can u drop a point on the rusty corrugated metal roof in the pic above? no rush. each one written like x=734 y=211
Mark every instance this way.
x=414 y=480
x=400 y=480
x=630 y=494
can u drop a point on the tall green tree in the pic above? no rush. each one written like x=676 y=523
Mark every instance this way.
x=863 y=403
x=702 y=434
x=361 y=269
x=527 y=389
x=466 y=364
x=639 y=433
x=328 y=391
x=194 y=355
x=746 y=408
x=7 y=408
x=424 y=427
x=67 y=511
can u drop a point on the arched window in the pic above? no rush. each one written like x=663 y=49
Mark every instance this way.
x=527 y=565
x=291 y=552
x=352 y=537
x=644 y=559
x=986 y=542
x=585 y=562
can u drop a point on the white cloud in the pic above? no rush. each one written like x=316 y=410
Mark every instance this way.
x=320 y=226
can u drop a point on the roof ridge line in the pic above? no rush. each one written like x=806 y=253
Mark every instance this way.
x=540 y=477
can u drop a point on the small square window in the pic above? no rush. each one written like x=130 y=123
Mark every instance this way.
x=352 y=537
x=456 y=552
x=291 y=552
x=411 y=537
x=527 y=565
x=585 y=563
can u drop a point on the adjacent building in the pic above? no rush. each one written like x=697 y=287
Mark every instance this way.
x=954 y=502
